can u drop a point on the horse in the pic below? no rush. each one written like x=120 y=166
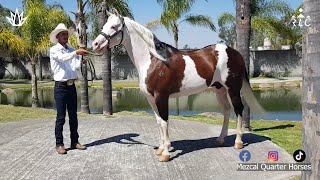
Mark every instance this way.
x=166 y=72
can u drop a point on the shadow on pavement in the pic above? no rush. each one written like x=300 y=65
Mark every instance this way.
x=188 y=146
x=121 y=139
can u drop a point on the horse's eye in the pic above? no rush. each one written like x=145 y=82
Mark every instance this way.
x=113 y=27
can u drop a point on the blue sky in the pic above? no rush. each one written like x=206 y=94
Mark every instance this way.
x=147 y=10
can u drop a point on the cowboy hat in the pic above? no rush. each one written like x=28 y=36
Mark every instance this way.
x=61 y=27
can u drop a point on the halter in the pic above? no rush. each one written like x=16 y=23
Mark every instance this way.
x=108 y=37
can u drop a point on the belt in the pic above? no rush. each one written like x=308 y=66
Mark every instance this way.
x=69 y=82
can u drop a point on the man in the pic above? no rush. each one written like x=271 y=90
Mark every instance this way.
x=64 y=62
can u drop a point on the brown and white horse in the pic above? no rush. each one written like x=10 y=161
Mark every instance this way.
x=166 y=72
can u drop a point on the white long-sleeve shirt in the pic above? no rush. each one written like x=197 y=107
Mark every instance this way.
x=64 y=62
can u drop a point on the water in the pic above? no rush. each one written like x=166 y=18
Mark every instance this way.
x=283 y=104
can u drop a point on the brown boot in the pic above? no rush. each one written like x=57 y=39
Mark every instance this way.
x=78 y=146
x=61 y=150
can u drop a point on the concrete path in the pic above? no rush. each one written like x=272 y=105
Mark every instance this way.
x=123 y=148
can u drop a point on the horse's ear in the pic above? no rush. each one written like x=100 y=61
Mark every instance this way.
x=108 y=13
x=115 y=11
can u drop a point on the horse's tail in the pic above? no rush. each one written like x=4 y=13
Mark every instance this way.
x=248 y=95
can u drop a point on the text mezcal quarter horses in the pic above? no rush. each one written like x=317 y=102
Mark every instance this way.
x=166 y=72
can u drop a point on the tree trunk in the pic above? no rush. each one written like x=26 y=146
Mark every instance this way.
x=35 y=99
x=176 y=39
x=40 y=67
x=84 y=91
x=105 y=61
x=243 y=28
x=82 y=43
x=311 y=93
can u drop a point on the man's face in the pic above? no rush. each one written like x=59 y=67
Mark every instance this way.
x=63 y=37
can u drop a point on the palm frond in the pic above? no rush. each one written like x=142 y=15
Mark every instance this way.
x=226 y=18
x=12 y=43
x=269 y=8
x=200 y=20
x=276 y=27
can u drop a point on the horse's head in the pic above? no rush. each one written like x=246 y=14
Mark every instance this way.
x=111 y=34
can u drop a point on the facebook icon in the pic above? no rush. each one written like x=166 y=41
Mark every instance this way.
x=244 y=155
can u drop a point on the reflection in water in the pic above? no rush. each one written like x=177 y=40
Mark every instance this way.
x=279 y=104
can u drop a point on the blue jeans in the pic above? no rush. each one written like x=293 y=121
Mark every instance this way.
x=66 y=98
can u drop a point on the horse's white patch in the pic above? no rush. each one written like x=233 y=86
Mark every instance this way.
x=142 y=77
x=222 y=71
x=192 y=82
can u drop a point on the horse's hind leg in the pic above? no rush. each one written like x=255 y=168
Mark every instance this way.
x=222 y=98
x=238 y=109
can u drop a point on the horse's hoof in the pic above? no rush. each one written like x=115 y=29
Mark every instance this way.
x=159 y=152
x=238 y=145
x=164 y=158
x=220 y=142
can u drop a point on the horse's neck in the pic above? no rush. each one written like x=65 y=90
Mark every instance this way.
x=137 y=50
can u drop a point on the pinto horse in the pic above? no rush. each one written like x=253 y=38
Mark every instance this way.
x=165 y=72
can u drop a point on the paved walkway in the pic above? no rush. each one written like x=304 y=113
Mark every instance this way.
x=123 y=148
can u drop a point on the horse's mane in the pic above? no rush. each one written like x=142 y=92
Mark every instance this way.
x=149 y=38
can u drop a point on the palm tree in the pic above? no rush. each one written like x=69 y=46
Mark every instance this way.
x=246 y=13
x=40 y=22
x=173 y=15
x=311 y=95
x=81 y=27
x=227 y=31
x=100 y=6
x=264 y=22
x=243 y=29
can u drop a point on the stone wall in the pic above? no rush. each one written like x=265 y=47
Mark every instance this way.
x=276 y=63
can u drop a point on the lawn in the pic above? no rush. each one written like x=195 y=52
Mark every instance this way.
x=25 y=84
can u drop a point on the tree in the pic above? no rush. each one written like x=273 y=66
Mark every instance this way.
x=243 y=29
x=35 y=31
x=269 y=18
x=100 y=7
x=227 y=31
x=311 y=84
x=81 y=28
x=174 y=14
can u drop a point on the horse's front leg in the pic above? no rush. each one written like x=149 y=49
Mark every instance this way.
x=158 y=118
x=162 y=103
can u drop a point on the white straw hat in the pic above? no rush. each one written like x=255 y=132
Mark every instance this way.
x=61 y=27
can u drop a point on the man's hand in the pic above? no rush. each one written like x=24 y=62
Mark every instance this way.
x=81 y=52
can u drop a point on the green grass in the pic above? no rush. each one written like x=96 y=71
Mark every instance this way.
x=119 y=84
x=14 y=84
x=11 y=113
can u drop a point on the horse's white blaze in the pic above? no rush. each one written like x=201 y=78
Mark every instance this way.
x=192 y=82
x=222 y=71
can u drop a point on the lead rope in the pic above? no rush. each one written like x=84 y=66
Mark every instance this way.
x=91 y=68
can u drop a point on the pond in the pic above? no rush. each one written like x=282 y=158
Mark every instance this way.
x=280 y=104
